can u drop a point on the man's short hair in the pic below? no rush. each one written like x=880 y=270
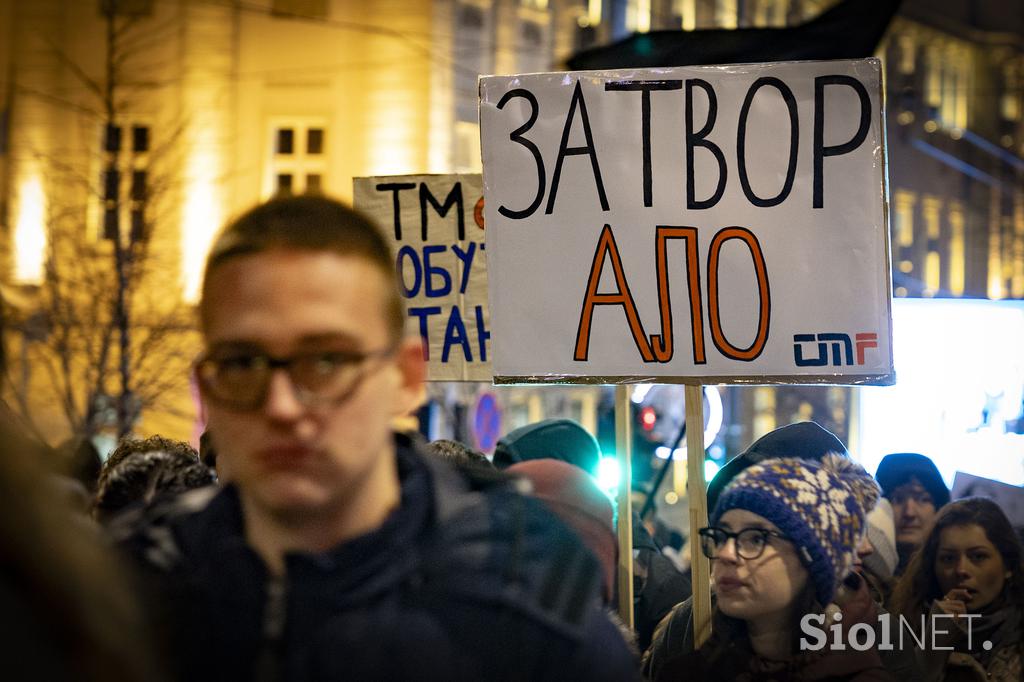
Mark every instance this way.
x=138 y=471
x=458 y=453
x=308 y=223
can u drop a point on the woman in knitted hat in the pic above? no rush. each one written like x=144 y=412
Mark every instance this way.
x=781 y=538
x=968 y=566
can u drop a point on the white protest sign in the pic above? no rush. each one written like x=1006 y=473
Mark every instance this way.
x=1010 y=498
x=436 y=224
x=712 y=224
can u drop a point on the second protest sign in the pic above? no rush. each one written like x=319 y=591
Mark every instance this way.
x=436 y=227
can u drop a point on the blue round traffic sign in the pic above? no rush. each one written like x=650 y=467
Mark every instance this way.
x=486 y=422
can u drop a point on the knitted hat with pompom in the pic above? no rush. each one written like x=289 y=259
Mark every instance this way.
x=820 y=506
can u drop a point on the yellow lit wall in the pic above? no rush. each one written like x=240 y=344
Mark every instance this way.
x=201 y=216
x=30 y=230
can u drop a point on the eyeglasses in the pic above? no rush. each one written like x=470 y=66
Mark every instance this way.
x=750 y=542
x=241 y=379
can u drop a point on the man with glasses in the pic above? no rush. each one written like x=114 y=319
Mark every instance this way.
x=338 y=551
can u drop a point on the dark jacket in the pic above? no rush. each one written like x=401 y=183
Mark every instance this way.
x=671 y=657
x=959 y=653
x=657 y=584
x=459 y=583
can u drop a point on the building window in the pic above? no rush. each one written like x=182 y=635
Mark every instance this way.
x=285 y=141
x=948 y=68
x=298 y=159
x=931 y=209
x=531 y=51
x=315 y=141
x=726 y=14
x=933 y=76
x=685 y=13
x=474 y=43
x=1012 y=81
x=125 y=8
x=704 y=14
x=768 y=13
x=955 y=80
x=1017 y=279
x=532 y=35
x=957 y=252
x=903 y=241
x=125 y=183
x=638 y=16
x=300 y=9
x=140 y=139
x=138 y=191
x=471 y=18
x=5 y=119
x=906 y=47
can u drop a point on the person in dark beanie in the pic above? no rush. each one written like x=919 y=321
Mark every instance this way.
x=806 y=440
x=782 y=538
x=913 y=485
x=561 y=439
x=139 y=471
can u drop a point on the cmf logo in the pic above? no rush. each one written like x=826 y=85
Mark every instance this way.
x=843 y=349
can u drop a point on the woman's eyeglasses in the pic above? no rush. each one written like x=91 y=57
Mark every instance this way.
x=750 y=542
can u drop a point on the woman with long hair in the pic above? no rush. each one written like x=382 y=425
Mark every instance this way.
x=969 y=567
x=782 y=539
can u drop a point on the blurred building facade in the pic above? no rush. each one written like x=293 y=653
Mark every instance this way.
x=219 y=104
x=157 y=126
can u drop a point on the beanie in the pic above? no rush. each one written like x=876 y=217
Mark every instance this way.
x=898 y=468
x=561 y=439
x=574 y=497
x=882 y=536
x=806 y=440
x=820 y=506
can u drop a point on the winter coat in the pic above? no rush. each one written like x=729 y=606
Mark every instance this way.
x=457 y=584
x=671 y=656
x=657 y=584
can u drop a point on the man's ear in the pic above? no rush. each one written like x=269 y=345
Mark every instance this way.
x=413 y=374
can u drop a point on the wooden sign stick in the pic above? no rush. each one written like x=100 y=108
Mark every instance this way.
x=696 y=493
x=623 y=453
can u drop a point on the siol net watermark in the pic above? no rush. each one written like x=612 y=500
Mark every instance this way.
x=864 y=636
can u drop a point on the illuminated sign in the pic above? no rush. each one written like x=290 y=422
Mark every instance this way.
x=960 y=395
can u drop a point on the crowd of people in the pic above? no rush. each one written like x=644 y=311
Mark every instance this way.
x=310 y=540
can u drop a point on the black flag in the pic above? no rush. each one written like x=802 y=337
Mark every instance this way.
x=850 y=30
